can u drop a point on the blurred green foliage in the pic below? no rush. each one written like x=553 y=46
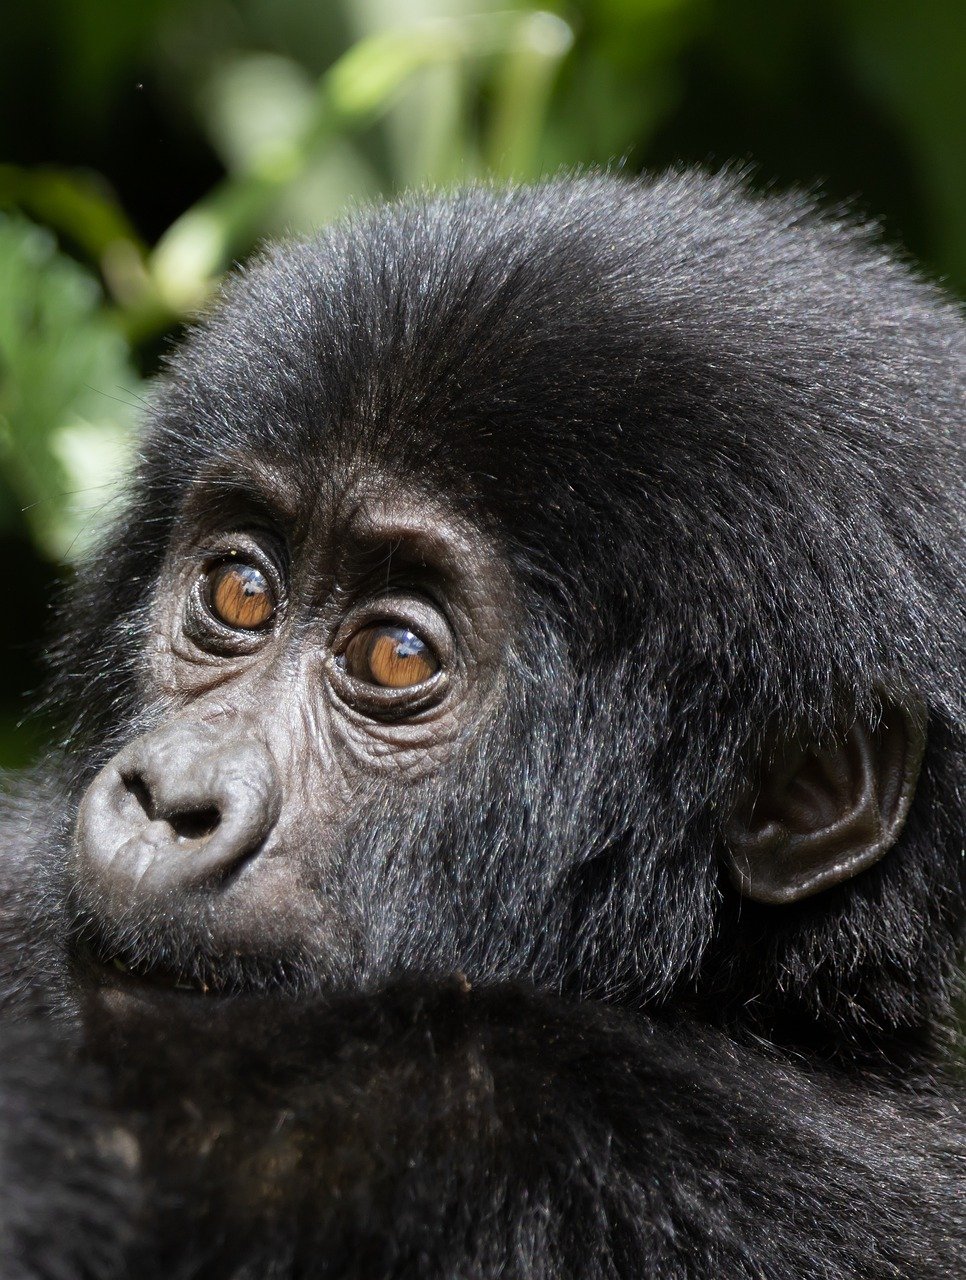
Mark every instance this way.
x=146 y=146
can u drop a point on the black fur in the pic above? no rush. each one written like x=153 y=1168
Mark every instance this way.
x=67 y=1165
x=719 y=442
x=444 y=1132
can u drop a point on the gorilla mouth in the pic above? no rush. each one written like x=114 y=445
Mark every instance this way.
x=114 y=970
x=145 y=967
x=158 y=976
x=136 y=966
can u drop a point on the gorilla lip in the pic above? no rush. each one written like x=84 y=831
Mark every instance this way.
x=163 y=978
x=107 y=968
x=146 y=967
x=116 y=973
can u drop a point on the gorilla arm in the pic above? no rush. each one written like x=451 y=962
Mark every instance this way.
x=480 y=1133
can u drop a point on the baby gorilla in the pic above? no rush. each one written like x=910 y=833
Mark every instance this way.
x=528 y=674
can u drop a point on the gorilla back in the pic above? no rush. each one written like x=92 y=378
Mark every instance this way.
x=559 y=587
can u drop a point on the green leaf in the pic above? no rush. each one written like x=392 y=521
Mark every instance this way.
x=67 y=389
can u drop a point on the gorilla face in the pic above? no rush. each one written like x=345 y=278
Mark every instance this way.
x=551 y=584
x=310 y=662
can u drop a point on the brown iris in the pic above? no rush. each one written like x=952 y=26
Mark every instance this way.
x=240 y=596
x=392 y=657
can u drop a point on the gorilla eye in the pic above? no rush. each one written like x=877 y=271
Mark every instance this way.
x=392 y=657
x=240 y=596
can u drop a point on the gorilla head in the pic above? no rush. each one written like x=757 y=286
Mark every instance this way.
x=562 y=584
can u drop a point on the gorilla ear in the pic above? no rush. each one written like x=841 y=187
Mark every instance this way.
x=823 y=814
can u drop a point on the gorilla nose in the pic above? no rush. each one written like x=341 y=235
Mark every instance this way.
x=178 y=808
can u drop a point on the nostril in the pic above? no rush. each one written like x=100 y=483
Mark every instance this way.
x=191 y=823
x=135 y=786
x=194 y=824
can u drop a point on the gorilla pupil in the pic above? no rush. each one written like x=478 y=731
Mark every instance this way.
x=241 y=597
x=393 y=657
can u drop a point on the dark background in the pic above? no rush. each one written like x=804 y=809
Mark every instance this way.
x=145 y=145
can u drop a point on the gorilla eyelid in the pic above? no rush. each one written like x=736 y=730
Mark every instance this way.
x=393 y=656
x=237 y=592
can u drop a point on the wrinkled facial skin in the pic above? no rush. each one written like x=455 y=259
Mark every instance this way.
x=309 y=663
